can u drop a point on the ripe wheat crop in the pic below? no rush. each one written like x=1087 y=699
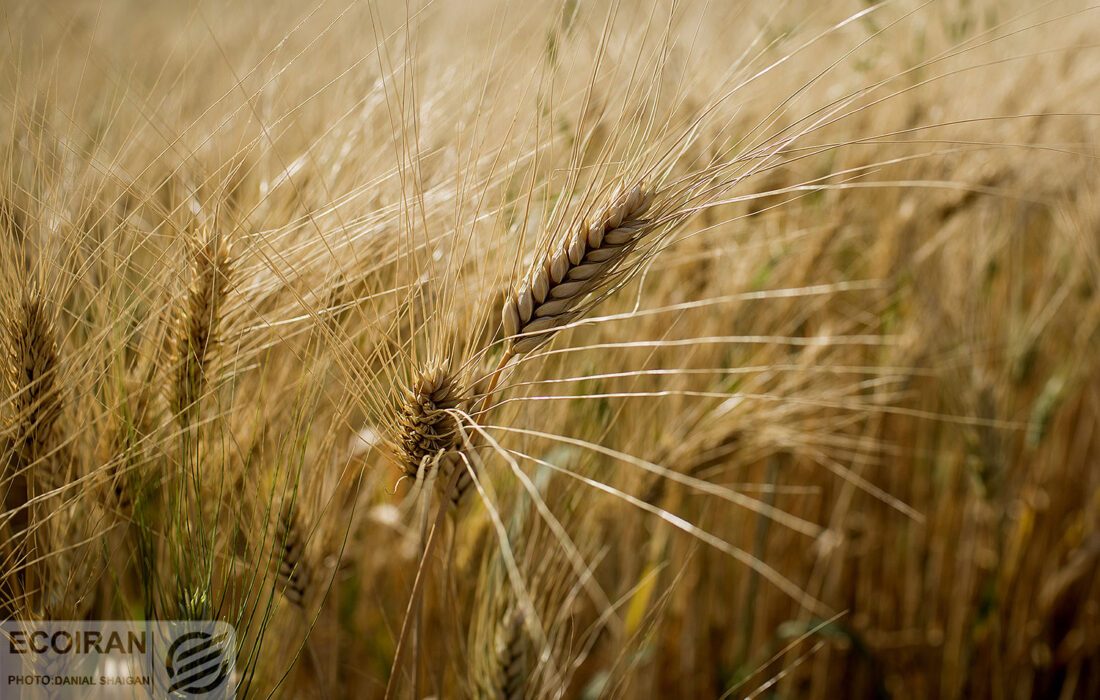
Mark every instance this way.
x=667 y=348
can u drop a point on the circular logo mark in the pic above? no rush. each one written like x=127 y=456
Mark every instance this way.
x=196 y=663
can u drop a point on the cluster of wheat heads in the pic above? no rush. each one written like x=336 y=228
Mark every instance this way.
x=501 y=349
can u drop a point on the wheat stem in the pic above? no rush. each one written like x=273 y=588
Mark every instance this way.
x=412 y=610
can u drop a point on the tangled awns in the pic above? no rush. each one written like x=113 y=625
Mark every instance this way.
x=566 y=349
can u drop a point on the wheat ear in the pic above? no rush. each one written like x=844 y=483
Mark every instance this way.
x=553 y=291
x=292 y=571
x=33 y=362
x=427 y=427
x=294 y=579
x=197 y=333
x=513 y=647
x=32 y=379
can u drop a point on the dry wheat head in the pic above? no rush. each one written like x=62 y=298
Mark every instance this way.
x=558 y=283
x=427 y=427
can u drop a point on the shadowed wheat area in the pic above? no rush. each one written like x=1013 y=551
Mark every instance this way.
x=569 y=349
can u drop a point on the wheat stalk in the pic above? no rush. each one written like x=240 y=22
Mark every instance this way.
x=556 y=285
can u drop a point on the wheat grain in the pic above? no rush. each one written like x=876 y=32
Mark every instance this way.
x=460 y=494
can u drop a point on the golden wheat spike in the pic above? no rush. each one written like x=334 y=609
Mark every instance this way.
x=293 y=577
x=561 y=280
x=427 y=428
x=199 y=320
x=513 y=652
x=32 y=379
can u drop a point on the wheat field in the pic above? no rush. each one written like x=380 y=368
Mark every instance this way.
x=575 y=349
